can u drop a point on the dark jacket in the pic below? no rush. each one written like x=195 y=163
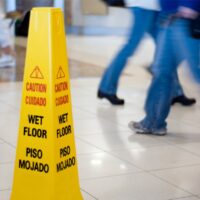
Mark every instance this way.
x=173 y=5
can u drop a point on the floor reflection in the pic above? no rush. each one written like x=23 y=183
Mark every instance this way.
x=76 y=68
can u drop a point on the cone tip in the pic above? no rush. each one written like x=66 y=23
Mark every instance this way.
x=46 y=9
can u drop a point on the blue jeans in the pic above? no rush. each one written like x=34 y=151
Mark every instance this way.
x=145 y=22
x=175 y=43
x=110 y=79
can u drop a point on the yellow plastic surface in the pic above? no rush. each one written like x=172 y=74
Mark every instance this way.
x=46 y=164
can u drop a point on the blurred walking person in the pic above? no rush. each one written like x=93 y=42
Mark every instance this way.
x=145 y=14
x=6 y=37
x=175 y=44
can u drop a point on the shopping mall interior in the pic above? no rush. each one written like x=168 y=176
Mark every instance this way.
x=114 y=163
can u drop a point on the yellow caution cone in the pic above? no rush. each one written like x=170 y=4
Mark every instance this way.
x=46 y=164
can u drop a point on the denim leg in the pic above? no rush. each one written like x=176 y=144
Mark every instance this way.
x=159 y=97
x=188 y=50
x=110 y=79
x=177 y=89
x=158 y=100
x=188 y=46
x=154 y=28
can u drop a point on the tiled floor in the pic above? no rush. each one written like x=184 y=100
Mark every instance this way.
x=115 y=163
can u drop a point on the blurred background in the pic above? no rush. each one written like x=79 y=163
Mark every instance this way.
x=114 y=162
x=94 y=32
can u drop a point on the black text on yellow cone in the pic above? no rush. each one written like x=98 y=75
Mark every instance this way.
x=46 y=164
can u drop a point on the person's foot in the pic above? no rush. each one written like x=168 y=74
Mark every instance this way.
x=140 y=129
x=113 y=99
x=7 y=61
x=182 y=99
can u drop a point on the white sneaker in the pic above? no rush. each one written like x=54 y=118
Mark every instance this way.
x=7 y=61
x=138 y=128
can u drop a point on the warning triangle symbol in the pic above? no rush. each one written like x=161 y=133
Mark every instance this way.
x=37 y=73
x=60 y=73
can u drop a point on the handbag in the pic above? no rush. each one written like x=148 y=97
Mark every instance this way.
x=22 y=25
x=115 y=3
x=195 y=28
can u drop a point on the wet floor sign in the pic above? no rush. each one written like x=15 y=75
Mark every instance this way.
x=46 y=164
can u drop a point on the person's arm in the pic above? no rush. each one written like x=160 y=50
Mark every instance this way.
x=189 y=8
x=187 y=12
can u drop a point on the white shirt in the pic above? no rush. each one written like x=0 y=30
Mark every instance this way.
x=147 y=4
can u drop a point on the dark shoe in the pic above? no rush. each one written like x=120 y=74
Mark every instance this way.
x=110 y=97
x=182 y=99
